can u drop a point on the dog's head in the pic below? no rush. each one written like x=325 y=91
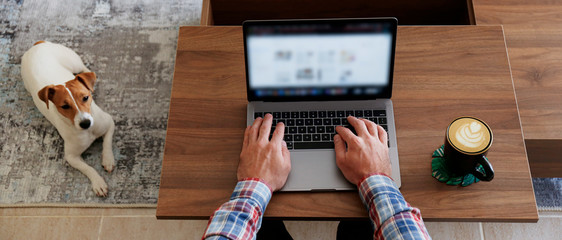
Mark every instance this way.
x=73 y=99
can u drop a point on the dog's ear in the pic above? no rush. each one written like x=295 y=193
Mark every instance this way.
x=46 y=94
x=88 y=79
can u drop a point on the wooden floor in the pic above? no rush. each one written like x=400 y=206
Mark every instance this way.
x=533 y=32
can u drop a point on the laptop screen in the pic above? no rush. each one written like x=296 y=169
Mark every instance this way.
x=335 y=59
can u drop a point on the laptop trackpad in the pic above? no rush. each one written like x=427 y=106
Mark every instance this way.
x=315 y=170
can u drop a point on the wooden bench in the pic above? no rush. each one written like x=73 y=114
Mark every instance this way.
x=533 y=33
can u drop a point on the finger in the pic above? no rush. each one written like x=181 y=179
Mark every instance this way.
x=285 y=152
x=278 y=133
x=383 y=137
x=246 y=137
x=345 y=133
x=265 y=128
x=359 y=126
x=371 y=126
x=254 y=129
x=339 y=148
x=286 y=156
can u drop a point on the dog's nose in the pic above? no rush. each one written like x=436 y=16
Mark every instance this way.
x=85 y=124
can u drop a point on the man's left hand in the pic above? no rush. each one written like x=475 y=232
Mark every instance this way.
x=264 y=159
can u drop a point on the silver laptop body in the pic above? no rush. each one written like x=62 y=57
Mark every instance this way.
x=297 y=81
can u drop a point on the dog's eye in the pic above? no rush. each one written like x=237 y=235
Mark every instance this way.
x=65 y=106
x=85 y=98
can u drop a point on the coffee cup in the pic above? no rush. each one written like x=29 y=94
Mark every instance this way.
x=467 y=141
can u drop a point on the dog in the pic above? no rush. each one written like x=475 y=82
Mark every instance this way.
x=62 y=87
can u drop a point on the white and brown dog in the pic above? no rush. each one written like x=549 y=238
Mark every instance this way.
x=62 y=88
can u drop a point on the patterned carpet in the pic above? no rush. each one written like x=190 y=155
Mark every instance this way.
x=548 y=192
x=130 y=45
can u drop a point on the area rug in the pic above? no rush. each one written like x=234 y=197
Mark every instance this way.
x=130 y=45
x=548 y=192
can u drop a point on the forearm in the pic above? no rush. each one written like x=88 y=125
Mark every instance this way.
x=240 y=218
x=392 y=216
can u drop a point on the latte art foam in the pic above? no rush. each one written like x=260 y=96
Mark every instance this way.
x=469 y=135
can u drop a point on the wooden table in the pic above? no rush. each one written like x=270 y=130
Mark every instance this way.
x=440 y=73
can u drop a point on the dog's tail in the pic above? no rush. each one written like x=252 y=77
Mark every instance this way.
x=39 y=42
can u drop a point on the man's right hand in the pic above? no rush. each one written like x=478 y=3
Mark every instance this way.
x=366 y=153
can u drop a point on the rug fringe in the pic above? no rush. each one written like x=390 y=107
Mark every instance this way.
x=550 y=209
x=76 y=205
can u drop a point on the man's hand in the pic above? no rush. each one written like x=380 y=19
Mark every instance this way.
x=366 y=153
x=260 y=158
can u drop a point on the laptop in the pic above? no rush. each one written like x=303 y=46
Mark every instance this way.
x=311 y=75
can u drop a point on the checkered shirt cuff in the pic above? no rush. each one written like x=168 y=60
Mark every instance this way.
x=253 y=188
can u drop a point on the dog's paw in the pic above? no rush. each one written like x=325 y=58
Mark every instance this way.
x=100 y=187
x=109 y=168
x=108 y=162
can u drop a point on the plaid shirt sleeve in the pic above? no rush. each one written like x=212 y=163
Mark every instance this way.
x=240 y=218
x=392 y=216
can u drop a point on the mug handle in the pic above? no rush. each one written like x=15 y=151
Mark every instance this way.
x=488 y=170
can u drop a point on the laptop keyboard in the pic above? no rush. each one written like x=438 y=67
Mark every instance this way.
x=316 y=129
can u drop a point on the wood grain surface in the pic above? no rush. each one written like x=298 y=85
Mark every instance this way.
x=546 y=158
x=440 y=73
x=207 y=13
x=533 y=32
